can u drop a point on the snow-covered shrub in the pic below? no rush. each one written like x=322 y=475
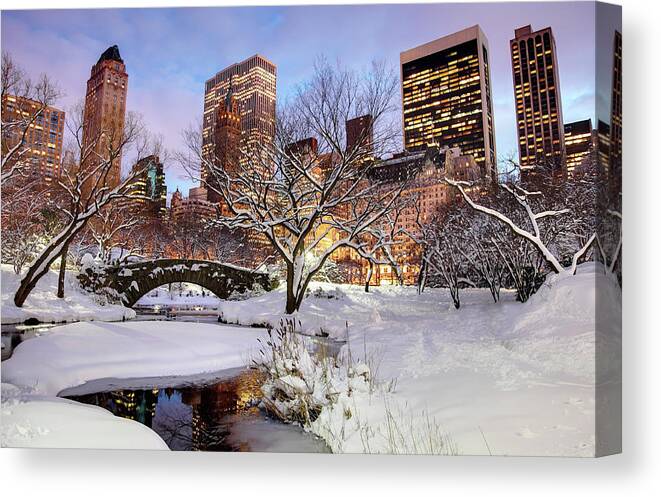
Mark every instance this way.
x=94 y=279
x=256 y=291
x=299 y=382
x=403 y=433
x=324 y=293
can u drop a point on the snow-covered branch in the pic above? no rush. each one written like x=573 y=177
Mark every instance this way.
x=534 y=237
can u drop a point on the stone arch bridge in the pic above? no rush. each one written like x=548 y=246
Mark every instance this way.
x=133 y=280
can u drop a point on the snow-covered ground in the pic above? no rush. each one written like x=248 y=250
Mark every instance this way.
x=506 y=378
x=51 y=422
x=43 y=304
x=73 y=354
x=185 y=294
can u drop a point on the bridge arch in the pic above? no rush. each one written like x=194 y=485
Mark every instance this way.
x=132 y=281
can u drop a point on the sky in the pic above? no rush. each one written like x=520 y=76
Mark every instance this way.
x=170 y=52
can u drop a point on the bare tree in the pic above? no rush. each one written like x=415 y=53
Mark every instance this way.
x=310 y=201
x=187 y=238
x=478 y=249
x=23 y=104
x=524 y=265
x=533 y=232
x=86 y=188
x=28 y=219
x=382 y=236
x=112 y=228
x=442 y=258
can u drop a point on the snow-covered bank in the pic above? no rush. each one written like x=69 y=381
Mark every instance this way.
x=184 y=294
x=43 y=304
x=509 y=379
x=76 y=353
x=51 y=422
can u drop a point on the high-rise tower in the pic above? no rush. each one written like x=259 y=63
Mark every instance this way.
x=105 y=109
x=579 y=144
x=446 y=97
x=616 y=112
x=40 y=130
x=537 y=96
x=253 y=88
x=226 y=142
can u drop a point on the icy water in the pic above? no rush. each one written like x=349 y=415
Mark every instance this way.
x=205 y=414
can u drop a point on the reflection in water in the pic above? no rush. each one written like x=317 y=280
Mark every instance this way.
x=219 y=416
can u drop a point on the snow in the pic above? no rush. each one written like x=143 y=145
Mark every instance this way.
x=506 y=378
x=181 y=294
x=75 y=353
x=43 y=304
x=51 y=422
x=71 y=355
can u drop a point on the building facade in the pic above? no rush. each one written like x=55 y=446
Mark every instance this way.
x=603 y=147
x=616 y=114
x=105 y=110
x=360 y=133
x=253 y=85
x=42 y=143
x=149 y=190
x=446 y=97
x=540 y=127
x=578 y=143
x=227 y=136
x=424 y=173
x=195 y=206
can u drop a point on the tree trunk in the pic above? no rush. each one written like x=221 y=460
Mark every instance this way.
x=290 y=307
x=36 y=271
x=422 y=277
x=62 y=273
x=369 y=277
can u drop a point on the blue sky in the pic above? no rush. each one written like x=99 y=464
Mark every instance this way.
x=170 y=52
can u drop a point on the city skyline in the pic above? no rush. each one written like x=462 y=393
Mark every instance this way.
x=174 y=69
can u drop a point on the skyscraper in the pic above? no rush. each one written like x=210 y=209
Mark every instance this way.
x=148 y=188
x=537 y=97
x=578 y=143
x=105 y=109
x=616 y=111
x=603 y=138
x=42 y=145
x=226 y=142
x=446 y=97
x=253 y=84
